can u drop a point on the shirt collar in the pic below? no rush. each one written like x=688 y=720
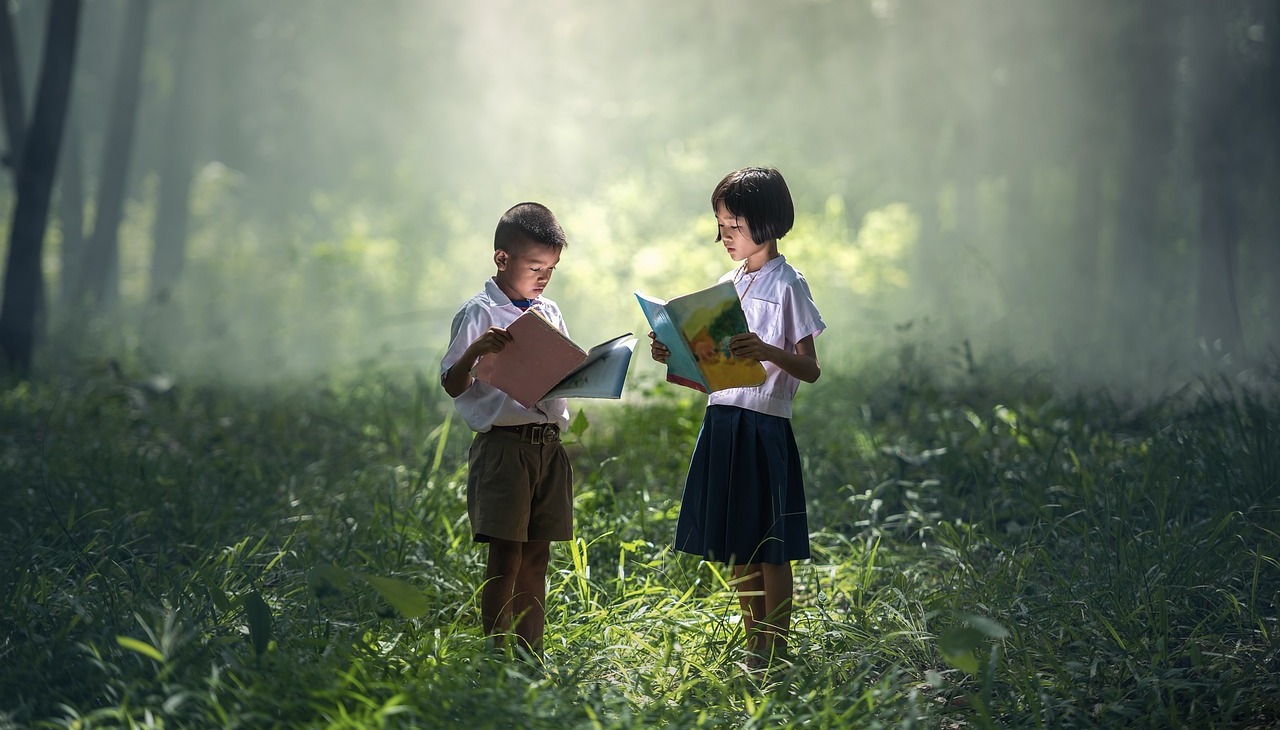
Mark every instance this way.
x=769 y=265
x=500 y=298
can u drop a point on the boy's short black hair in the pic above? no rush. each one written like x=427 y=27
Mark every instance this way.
x=760 y=195
x=528 y=222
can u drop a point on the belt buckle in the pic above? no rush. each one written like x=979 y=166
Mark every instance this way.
x=535 y=435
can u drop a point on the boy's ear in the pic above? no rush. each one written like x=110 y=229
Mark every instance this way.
x=500 y=259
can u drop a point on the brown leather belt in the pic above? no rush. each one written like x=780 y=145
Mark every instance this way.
x=534 y=433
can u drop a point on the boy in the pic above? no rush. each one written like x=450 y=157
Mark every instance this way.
x=519 y=480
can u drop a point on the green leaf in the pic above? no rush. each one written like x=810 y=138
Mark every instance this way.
x=957 y=646
x=988 y=627
x=965 y=661
x=327 y=578
x=404 y=598
x=960 y=639
x=219 y=597
x=259 y=615
x=141 y=647
x=579 y=424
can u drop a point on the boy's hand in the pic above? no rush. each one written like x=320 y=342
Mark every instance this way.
x=458 y=377
x=657 y=350
x=493 y=340
x=748 y=345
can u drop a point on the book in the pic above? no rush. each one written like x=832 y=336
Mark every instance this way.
x=541 y=362
x=696 y=328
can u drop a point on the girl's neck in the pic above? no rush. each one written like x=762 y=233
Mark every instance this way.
x=756 y=261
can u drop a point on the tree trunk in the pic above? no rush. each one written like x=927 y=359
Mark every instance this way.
x=176 y=167
x=11 y=87
x=1270 y=238
x=1146 y=165
x=23 y=278
x=102 y=264
x=1080 y=340
x=71 y=214
x=1089 y=27
x=1216 y=101
x=1217 y=311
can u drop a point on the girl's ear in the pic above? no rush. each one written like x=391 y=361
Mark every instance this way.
x=500 y=258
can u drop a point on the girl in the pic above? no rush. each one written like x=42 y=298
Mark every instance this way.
x=743 y=499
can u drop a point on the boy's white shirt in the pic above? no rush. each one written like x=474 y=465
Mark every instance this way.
x=780 y=309
x=483 y=406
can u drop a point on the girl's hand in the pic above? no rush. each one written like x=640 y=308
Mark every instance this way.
x=748 y=345
x=657 y=350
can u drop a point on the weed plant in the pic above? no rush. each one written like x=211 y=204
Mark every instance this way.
x=987 y=554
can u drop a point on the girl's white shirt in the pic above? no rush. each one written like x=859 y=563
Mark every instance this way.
x=781 y=311
x=483 y=406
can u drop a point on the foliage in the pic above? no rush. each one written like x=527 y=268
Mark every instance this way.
x=1026 y=174
x=987 y=553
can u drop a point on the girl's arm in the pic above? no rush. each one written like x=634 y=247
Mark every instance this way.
x=801 y=364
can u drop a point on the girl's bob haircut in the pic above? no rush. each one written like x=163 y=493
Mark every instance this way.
x=760 y=195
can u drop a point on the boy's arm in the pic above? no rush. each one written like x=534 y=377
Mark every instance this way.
x=458 y=378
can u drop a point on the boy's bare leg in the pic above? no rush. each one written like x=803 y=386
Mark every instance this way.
x=529 y=601
x=499 y=585
x=777 y=583
x=751 y=598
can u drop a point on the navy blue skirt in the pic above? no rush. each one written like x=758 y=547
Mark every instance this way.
x=744 y=496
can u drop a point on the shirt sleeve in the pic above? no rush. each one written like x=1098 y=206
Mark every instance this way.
x=469 y=323
x=801 y=313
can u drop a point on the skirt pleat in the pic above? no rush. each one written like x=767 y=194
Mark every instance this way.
x=744 y=496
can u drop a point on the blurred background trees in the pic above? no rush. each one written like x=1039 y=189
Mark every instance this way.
x=249 y=190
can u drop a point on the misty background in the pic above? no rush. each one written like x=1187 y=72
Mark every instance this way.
x=255 y=190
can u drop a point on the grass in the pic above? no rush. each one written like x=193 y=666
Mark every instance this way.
x=984 y=557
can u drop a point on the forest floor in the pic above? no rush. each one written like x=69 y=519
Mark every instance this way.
x=987 y=553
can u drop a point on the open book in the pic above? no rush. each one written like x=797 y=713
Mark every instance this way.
x=696 y=328
x=540 y=362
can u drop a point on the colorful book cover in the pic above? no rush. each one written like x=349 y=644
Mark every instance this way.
x=696 y=328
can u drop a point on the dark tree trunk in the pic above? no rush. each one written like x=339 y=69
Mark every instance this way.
x=23 y=278
x=1217 y=311
x=1092 y=47
x=11 y=87
x=176 y=167
x=101 y=262
x=71 y=212
x=1270 y=238
x=1087 y=236
x=1217 y=102
x=1145 y=168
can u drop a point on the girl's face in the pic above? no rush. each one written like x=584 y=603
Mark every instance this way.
x=735 y=234
x=526 y=273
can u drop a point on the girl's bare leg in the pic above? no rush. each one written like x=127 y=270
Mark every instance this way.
x=777 y=583
x=751 y=598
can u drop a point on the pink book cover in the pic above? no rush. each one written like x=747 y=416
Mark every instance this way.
x=538 y=357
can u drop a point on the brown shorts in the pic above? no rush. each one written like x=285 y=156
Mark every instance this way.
x=519 y=490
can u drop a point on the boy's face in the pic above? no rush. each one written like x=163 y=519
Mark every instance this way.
x=526 y=270
x=735 y=234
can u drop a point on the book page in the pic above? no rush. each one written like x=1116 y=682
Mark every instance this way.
x=602 y=374
x=538 y=357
